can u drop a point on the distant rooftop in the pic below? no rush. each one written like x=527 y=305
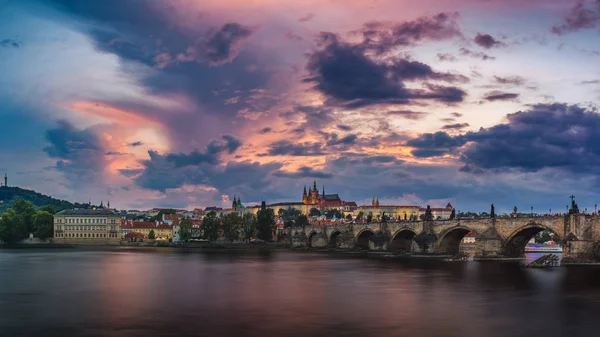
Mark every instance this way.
x=88 y=212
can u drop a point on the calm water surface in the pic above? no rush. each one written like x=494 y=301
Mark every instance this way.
x=169 y=293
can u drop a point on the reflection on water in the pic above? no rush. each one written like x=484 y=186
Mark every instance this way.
x=168 y=293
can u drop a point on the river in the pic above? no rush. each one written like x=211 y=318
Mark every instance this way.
x=164 y=292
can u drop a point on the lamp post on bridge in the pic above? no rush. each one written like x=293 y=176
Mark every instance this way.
x=595 y=208
x=531 y=211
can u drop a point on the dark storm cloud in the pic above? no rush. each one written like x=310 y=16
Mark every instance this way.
x=457 y=126
x=246 y=178
x=303 y=172
x=210 y=156
x=349 y=77
x=135 y=144
x=477 y=55
x=9 y=43
x=511 y=80
x=583 y=15
x=493 y=96
x=435 y=144
x=219 y=46
x=545 y=136
x=346 y=140
x=487 y=41
x=287 y=148
x=79 y=153
x=383 y=37
x=408 y=114
x=131 y=172
x=446 y=57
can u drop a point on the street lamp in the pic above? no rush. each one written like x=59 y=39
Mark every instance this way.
x=595 y=208
x=531 y=210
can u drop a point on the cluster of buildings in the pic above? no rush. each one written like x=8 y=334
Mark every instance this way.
x=109 y=226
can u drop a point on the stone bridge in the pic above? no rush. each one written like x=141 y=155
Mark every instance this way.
x=495 y=237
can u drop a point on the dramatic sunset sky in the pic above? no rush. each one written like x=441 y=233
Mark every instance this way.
x=184 y=103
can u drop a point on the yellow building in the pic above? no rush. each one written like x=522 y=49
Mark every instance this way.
x=87 y=226
x=391 y=211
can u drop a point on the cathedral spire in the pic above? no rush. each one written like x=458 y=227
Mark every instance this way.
x=323 y=191
x=373 y=202
x=315 y=186
x=108 y=204
x=304 y=190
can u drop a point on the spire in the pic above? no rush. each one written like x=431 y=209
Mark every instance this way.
x=234 y=203
x=315 y=186
x=101 y=205
x=304 y=190
x=373 y=202
x=5 y=180
x=377 y=202
x=108 y=204
x=323 y=191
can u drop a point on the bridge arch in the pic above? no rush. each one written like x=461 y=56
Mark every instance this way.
x=310 y=238
x=362 y=239
x=514 y=245
x=332 y=242
x=402 y=240
x=449 y=241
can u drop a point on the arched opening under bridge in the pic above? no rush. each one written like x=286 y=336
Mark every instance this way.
x=402 y=241
x=333 y=240
x=515 y=244
x=450 y=242
x=310 y=239
x=362 y=241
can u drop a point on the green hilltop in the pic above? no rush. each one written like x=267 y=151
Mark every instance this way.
x=10 y=194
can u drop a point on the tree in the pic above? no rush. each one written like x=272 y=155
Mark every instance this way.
x=159 y=216
x=302 y=221
x=210 y=226
x=152 y=235
x=292 y=213
x=314 y=212
x=43 y=225
x=25 y=211
x=281 y=213
x=265 y=224
x=49 y=208
x=333 y=213
x=249 y=225
x=185 y=229
x=10 y=232
x=232 y=226
x=349 y=217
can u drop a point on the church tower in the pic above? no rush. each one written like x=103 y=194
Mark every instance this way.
x=304 y=196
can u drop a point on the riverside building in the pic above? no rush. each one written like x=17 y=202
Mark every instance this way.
x=87 y=226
